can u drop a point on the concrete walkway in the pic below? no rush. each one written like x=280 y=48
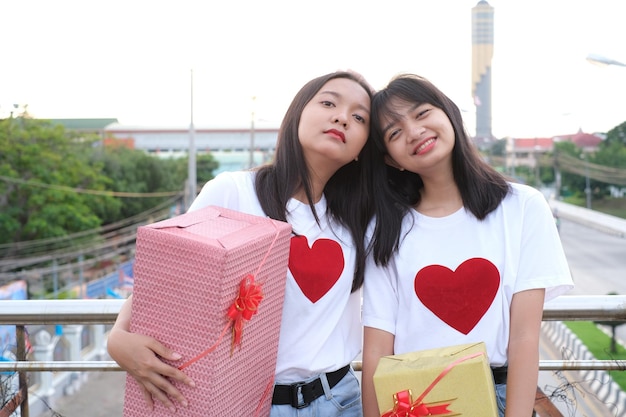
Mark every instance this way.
x=102 y=395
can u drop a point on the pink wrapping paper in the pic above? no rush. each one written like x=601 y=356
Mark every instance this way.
x=188 y=272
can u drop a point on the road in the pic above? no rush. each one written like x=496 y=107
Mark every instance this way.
x=597 y=260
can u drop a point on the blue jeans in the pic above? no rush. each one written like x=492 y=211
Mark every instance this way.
x=501 y=398
x=344 y=400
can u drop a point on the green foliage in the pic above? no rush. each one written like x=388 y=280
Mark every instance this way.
x=132 y=171
x=41 y=169
x=610 y=155
x=604 y=167
x=205 y=165
x=63 y=295
x=571 y=184
x=54 y=183
x=498 y=148
x=617 y=135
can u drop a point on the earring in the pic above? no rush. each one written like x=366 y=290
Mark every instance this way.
x=356 y=159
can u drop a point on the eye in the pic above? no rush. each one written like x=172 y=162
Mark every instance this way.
x=393 y=135
x=422 y=113
x=327 y=103
x=359 y=118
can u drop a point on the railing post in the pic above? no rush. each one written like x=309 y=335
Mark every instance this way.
x=98 y=340
x=20 y=333
x=43 y=350
x=73 y=333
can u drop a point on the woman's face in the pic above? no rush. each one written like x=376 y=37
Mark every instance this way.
x=420 y=139
x=334 y=125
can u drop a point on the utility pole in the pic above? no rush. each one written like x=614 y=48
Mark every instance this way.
x=251 y=164
x=191 y=174
x=587 y=182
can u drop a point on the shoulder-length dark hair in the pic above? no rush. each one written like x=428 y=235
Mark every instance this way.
x=482 y=188
x=346 y=195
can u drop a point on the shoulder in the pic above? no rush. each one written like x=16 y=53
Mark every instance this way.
x=523 y=192
x=527 y=199
x=226 y=190
x=233 y=180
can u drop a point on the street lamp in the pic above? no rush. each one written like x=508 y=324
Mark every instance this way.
x=601 y=60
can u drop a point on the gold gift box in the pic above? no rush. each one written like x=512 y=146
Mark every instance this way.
x=449 y=381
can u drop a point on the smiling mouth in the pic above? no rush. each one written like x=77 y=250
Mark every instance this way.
x=424 y=146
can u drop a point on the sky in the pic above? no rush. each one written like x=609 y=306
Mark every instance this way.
x=163 y=63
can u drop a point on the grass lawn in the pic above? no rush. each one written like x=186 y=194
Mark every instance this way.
x=612 y=206
x=599 y=344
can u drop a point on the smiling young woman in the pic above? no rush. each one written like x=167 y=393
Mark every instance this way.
x=460 y=254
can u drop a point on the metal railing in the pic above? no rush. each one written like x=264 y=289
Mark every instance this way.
x=101 y=312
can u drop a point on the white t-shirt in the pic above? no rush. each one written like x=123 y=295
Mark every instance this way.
x=454 y=277
x=321 y=327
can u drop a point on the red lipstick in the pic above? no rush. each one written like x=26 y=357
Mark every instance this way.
x=337 y=134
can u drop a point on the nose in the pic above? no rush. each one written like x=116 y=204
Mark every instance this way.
x=416 y=131
x=341 y=118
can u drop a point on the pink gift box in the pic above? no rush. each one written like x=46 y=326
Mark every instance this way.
x=188 y=273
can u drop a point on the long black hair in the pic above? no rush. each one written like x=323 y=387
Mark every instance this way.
x=346 y=194
x=482 y=188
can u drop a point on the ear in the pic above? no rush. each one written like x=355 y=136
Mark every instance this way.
x=392 y=163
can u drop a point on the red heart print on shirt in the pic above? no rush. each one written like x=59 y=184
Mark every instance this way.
x=315 y=269
x=460 y=298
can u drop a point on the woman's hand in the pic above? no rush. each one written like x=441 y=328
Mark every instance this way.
x=140 y=356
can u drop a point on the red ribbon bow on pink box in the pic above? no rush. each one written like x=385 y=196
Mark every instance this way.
x=244 y=307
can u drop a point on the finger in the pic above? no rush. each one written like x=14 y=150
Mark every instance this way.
x=164 y=386
x=175 y=374
x=147 y=397
x=163 y=351
x=157 y=394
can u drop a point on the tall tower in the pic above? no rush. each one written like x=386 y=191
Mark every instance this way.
x=482 y=52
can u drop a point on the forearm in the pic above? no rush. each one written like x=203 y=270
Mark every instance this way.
x=376 y=344
x=522 y=378
x=523 y=352
x=115 y=340
x=370 y=404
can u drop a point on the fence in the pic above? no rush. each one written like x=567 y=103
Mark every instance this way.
x=83 y=336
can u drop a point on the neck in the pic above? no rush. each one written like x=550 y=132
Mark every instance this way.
x=318 y=176
x=439 y=198
x=317 y=190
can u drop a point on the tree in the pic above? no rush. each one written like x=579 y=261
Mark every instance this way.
x=499 y=148
x=615 y=135
x=55 y=183
x=134 y=171
x=569 y=182
x=42 y=172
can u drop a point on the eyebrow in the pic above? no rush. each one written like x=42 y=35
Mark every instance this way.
x=337 y=95
x=397 y=117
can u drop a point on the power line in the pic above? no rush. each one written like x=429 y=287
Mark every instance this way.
x=92 y=192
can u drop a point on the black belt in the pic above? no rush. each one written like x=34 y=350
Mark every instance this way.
x=499 y=374
x=288 y=394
